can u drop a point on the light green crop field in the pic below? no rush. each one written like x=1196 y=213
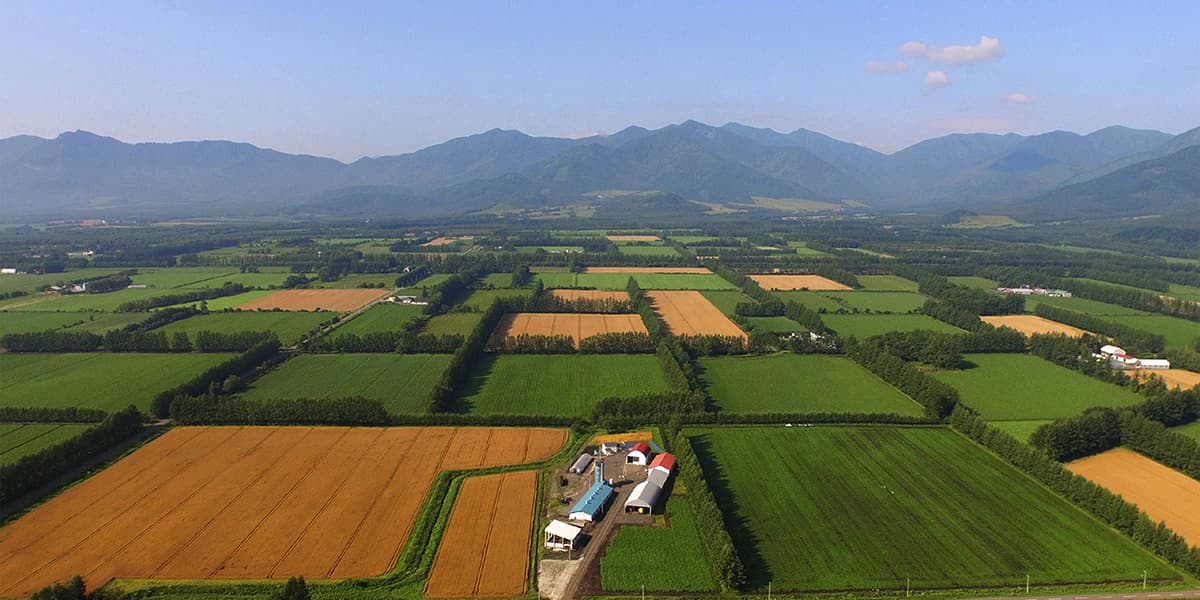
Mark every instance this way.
x=563 y=384
x=647 y=281
x=481 y=299
x=776 y=324
x=497 y=280
x=1191 y=430
x=106 y=302
x=1185 y=292
x=356 y=280
x=402 y=382
x=813 y=300
x=803 y=250
x=887 y=283
x=865 y=508
x=225 y=302
x=30 y=282
x=385 y=316
x=268 y=277
x=1022 y=430
x=1179 y=333
x=102 y=380
x=647 y=250
x=287 y=325
x=634 y=556
x=979 y=283
x=688 y=240
x=799 y=383
x=184 y=277
x=1023 y=387
x=454 y=323
x=726 y=300
x=864 y=326
x=895 y=302
x=34 y=321
x=17 y=440
x=1081 y=305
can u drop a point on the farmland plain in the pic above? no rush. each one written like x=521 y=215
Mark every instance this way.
x=34 y=321
x=1022 y=387
x=288 y=326
x=632 y=558
x=909 y=521
x=799 y=383
x=385 y=316
x=102 y=380
x=401 y=382
x=19 y=440
x=453 y=323
x=563 y=384
x=864 y=326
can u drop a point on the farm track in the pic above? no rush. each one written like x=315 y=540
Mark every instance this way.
x=251 y=503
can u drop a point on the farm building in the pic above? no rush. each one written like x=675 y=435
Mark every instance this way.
x=664 y=462
x=639 y=454
x=561 y=535
x=594 y=502
x=1155 y=363
x=643 y=498
x=581 y=465
x=658 y=477
x=1111 y=350
x=610 y=448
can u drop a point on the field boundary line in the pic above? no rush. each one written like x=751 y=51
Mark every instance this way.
x=324 y=505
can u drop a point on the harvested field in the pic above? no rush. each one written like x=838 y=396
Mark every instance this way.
x=589 y=295
x=636 y=436
x=797 y=282
x=338 y=300
x=576 y=325
x=251 y=503
x=690 y=313
x=689 y=270
x=1174 y=378
x=1164 y=493
x=446 y=241
x=485 y=550
x=633 y=238
x=1031 y=324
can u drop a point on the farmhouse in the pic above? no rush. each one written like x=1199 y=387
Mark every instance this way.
x=414 y=300
x=610 y=448
x=582 y=463
x=561 y=535
x=639 y=454
x=595 y=501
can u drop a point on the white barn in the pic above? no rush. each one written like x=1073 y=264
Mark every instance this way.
x=561 y=536
x=639 y=454
x=643 y=498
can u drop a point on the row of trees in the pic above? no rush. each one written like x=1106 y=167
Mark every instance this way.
x=552 y=303
x=441 y=399
x=214 y=377
x=649 y=408
x=125 y=340
x=217 y=410
x=229 y=289
x=1122 y=296
x=1132 y=339
x=953 y=315
x=974 y=301
x=938 y=398
x=1105 y=505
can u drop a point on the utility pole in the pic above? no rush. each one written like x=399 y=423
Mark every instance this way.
x=1143 y=580
x=768 y=590
x=1027 y=583
x=907 y=587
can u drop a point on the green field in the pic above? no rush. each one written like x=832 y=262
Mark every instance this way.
x=887 y=283
x=1021 y=430
x=1191 y=430
x=385 y=316
x=287 y=325
x=979 y=283
x=496 y=280
x=550 y=249
x=803 y=250
x=402 y=382
x=100 y=380
x=453 y=323
x=688 y=240
x=1022 y=387
x=776 y=324
x=566 y=384
x=647 y=250
x=813 y=300
x=892 y=302
x=633 y=557
x=647 y=281
x=106 y=302
x=17 y=440
x=1081 y=305
x=357 y=280
x=481 y=299
x=864 y=326
x=1179 y=333
x=799 y=383
x=865 y=508
x=30 y=282
x=33 y=321
x=184 y=277
x=726 y=300
x=225 y=302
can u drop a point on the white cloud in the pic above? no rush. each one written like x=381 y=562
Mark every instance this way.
x=882 y=67
x=988 y=48
x=935 y=80
x=1018 y=98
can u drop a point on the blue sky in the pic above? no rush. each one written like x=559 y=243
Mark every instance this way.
x=369 y=78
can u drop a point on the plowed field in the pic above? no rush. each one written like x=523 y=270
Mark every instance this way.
x=1031 y=324
x=797 y=282
x=576 y=325
x=1164 y=493
x=690 y=313
x=589 y=295
x=691 y=270
x=334 y=300
x=251 y=503
x=485 y=551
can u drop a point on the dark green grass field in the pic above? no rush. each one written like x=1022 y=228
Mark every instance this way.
x=633 y=557
x=812 y=300
x=775 y=324
x=726 y=300
x=1191 y=430
x=566 y=384
x=647 y=281
x=892 y=283
x=799 y=383
x=288 y=325
x=100 y=380
x=894 y=302
x=864 y=326
x=1022 y=387
x=402 y=382
x=481 y=299
x=32 y=321
x=864 y=508
x=19 y=440
x=460 y=323
x=385 y=316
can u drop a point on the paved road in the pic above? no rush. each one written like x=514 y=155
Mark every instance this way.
x=1107 y=596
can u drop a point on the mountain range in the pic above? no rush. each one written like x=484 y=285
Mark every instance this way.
x=1112 y=172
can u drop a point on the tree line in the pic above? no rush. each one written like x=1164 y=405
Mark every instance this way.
x=974 y=301
x=1132 y=339
x=1121 y=296
x=441 y=399
x=216 y=410
x=42 y=414
x=229 y=289
x=214 y=377
x=126 y=340
x=937 y=398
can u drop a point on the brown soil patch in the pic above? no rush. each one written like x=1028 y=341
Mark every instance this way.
x=440 y=241
x=334 y=300
x=1031 y=324
x=576 y=325
x=485 y=550
x=797 y=282
x=252 y=503
x=1164 y=493
x=589 y=295
x=637 y=436
x=690 y=313
x=633 y=238
x=691 y=270
x=1174 y=378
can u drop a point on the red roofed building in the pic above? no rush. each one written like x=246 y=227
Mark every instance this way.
x=664 y=461
x=639 y=454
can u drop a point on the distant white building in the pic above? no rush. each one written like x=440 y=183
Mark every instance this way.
x=1155 y=363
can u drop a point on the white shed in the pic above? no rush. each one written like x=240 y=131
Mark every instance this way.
x=1155 y=363
x=1110 y=350
x=582 y=463
x=639 y=454
x=643 y=498
x=561 y=536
